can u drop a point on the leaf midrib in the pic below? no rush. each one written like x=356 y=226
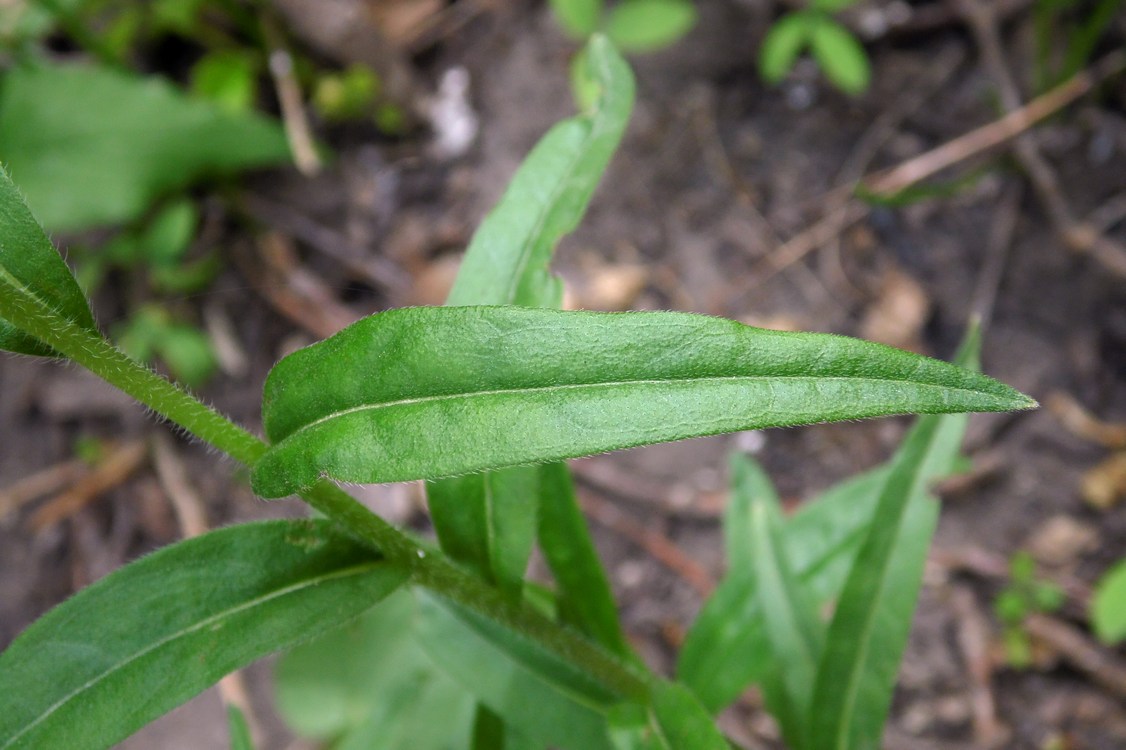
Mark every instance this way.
x=182 y=633
x=618 y=383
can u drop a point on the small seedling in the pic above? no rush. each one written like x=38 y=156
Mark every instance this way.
x=1025 y=595
x=837 y=52
x=634 y=26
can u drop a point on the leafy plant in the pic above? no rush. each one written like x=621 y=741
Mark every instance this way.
x=1025 y=595
x=489 y=387
x=837 y=52
x=1067 y=33
x=632 y=25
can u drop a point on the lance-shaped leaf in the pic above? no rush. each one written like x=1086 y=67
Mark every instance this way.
x=507 y=261
x=869 y=631
x=149 y=636
x=488 y=520
x=727 y=648
x=432 y=392
x=793 y=630
x=33 y=267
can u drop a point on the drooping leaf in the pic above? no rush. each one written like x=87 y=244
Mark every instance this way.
x=432 y=392
x=1108 y=606
x=794 y=631
x=585 y=599
x=649 y=25
x=784 y=41
x=550 y=701
x=91 y=146
x=31 y=264
x=148 y=637
x=579 y=18
x=840 y=56
x=869 y=630
x=488 y=521
x=370 y=685
x=507 y=260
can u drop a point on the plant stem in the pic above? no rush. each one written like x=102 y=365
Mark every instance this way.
x=428 y=569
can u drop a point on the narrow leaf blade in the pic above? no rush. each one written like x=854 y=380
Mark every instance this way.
x=794 y=631
x=151 y=635
x=446 y=391
x=869 y=630
x=488 y=521
x=585 y=599
x=507 y=260
x=33 y=266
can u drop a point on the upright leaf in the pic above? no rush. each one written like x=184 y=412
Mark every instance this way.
x=507 y=260
x=649 y=25
x=784 y=41
x=238 y=729
x=872 y=621
x=92 y=146
x=151 y=635
x=749 y=485
x=585 y=599
x=488 y=521
x=1108 y=605
x=448 y=390
x=841 y=57
x=31 y=265
x=793 y=629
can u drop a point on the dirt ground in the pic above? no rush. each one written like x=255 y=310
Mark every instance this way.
x=716 y=172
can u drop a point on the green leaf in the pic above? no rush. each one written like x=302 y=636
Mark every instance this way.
x=488 y=522
x=585 y=599
x=83 y=162
x=784 y=41
x=507 y=260
x=238 y=729
x=579 y=18
x=727 y=649
x=229 y=78
x=432 y=392
x=1108 y=605
x=370 y=685
x=832 y=6
x=841 y=57
x=30 y=262
x=649 y=25
x=872 y=621
x=749 y=484
x=793 y=629
x=549 y=700
x=149 y=636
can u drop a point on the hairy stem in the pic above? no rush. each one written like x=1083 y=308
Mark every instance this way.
x=428 y=569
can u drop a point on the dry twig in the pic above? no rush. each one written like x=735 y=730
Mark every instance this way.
x=662 y=549
x=973 y=639
x=294 y=117
x=41 y=483
x=114 y=469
